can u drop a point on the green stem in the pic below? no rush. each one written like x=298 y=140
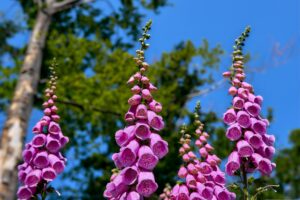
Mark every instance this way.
x=44 y=196
x=245 y=182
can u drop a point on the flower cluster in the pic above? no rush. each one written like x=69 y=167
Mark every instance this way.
x=202 y=178
x=42 y=159
x=141 y=146
x=254 y=148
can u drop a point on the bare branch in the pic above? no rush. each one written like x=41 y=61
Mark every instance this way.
x=66 y=4
x=207 y=90
x=81 y=106
x=38 y=2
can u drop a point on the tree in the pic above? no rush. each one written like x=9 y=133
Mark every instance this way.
x=288 y=167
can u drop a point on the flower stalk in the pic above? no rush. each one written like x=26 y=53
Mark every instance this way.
x=254 y=148
x=42 y=158
x=200 y=177
x=141 y=146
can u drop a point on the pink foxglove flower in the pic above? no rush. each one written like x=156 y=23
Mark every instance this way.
x=43 y=161
x=252 y=152
x=201 y=177
x=248 y=128
x=141 y=146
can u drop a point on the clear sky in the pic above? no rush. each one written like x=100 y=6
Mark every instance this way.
x=273 y=44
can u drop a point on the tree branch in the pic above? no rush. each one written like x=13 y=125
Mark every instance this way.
x=207 y=90
x=81 y=106
x=38 y=2
x=66 y=4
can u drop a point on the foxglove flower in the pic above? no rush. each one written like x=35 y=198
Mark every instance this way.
x=42 y=160
x=254 y=148
x=201 y=177
x=141 y=146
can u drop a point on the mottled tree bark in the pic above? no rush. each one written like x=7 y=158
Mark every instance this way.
x=19 y=111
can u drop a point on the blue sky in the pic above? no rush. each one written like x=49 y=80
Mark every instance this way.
x=274 y=45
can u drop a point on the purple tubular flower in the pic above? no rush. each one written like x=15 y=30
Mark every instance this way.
x=218 y=177
x=118 y=186
x=255 y=99
x=234 y=132
x=56 y=163
x=238 y=103
x=264 y=165
x=252 y=108
x=220 y=193
x=196 y=196
x=116 y=159
x=243 y=119
x=135 y=100
x=24 y=192
x=28 y=154
x=54 y=128
x=146 y=184
x=33 y=178
x=192 y=168
x=121 y=137
x=255 y=140
x=142 y=131
x=233 y=163
x=48 y=174
x=146 y=94
x=141 y=112
x=175 y=191
x=53 y=145
x=182 y=173
x=229 y=117
x=39 y=140
x=155 y=106
x=269 y=139
x=133 y=196
x=22 y=174
x=130 y=115
x=130 y=175
x=244 y=148
x=147 y=160
x=155 y=121
x=158 y=145
x=37 y=128
x=183 y=193
x=140 y=144
x=258 y=126
x=129 y=153
x=42 y=159
x=206 y=192
x=135 y=89
x=191 y=181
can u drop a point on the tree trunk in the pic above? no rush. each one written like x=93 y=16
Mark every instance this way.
x=18 y=115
